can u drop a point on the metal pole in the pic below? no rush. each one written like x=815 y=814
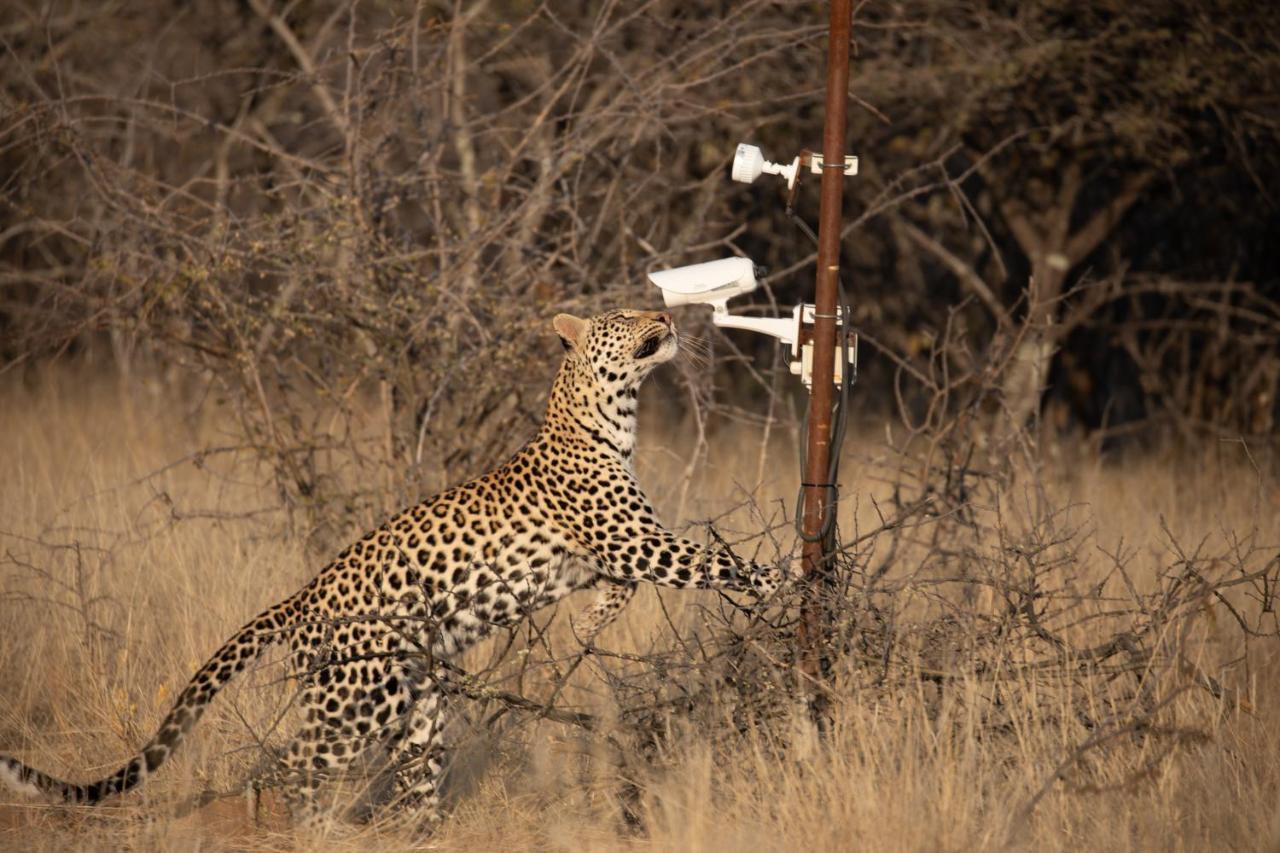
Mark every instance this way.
x=818 y=441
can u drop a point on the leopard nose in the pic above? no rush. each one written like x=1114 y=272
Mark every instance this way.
x=665 y=318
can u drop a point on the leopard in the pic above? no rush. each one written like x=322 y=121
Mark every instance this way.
x=370 y=637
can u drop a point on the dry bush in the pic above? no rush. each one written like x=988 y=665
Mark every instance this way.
x=351 y=222
x=1083 y=658
x=343 y=232
x=333 y=209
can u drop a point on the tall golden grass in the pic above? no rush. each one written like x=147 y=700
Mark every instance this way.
x=126 y=560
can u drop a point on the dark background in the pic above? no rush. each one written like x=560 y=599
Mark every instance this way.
x=279 y=202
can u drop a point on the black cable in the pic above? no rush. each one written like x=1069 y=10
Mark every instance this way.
x=839 y=419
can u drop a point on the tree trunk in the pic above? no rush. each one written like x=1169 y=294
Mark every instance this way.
x=1046 y=238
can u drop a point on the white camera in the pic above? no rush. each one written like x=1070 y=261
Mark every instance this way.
x=713 y=283
x=716 y=282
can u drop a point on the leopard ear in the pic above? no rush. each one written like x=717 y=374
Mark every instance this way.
x=572 y=330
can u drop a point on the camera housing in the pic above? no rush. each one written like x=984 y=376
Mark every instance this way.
x=716 y=282
x=713 y=283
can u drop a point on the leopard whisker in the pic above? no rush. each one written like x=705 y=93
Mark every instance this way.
x=696 y=344
x=695 y=357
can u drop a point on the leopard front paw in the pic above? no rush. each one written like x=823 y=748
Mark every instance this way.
x=765 y=581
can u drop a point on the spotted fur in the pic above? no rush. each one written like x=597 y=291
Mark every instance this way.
x=368 y=634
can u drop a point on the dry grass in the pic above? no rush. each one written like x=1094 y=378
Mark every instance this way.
x=118 y=580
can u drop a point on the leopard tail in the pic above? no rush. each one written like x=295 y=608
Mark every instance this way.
x=264 y=631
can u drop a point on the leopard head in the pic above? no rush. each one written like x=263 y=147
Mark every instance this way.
x=606 y=359
x=618 y=348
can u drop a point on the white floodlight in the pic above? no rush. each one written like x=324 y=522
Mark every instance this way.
x=749 y=164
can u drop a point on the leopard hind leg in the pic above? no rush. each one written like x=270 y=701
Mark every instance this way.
x=416 y=758
x=343 y=741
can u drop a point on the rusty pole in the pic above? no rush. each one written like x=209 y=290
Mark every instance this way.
x=818 y=441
